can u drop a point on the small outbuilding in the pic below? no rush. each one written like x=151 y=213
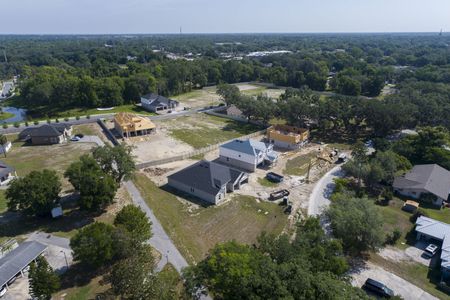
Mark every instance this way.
x=410 y=206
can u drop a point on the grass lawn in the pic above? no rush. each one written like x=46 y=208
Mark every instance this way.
x=299 y=166
x=86 y=129
x=196 y=231
x=5 y=115
x=416 y=273
x=202 y=131
x=2 y=201
x=267 y=183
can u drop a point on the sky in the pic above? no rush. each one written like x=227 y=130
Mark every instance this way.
x=221 y=16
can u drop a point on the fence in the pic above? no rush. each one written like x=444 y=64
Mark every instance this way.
x=108 y=132
x=193 y=153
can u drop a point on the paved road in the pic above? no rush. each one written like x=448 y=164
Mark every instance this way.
x=318 y=200
x=160 y=240
x=92 y=139
x=400 y=286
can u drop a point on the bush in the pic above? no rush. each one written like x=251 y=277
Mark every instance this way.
x=5 y=125
x=417 y=214
x=66 y=119
x=16 y=124
x=26 y=124
x=49 y=121
x=36 y=122
x=77 y=118
x=88 y=116
x=57 y=120
x=392 y=238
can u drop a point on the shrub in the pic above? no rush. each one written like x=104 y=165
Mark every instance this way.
x=36 y=122
x=26 y=124
x=392 y=238
x=88 y=116
x=49 y=121
x=57 y=120
x=5 y=125
x=16 y=124
x=77 y=118
x=417 y=214
x=66 y=119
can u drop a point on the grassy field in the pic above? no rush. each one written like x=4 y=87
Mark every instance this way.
x=196 y=231
x=5 y=115
x=415 y=273
x=2 y=201
x=299 y=166
x=267 y=183
x=202 y=131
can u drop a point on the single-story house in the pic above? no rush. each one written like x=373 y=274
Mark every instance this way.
x=247 y=154
x=153 y=102
x=127 y=125
x=288 y=137
x=7 y=173
x=13 y=263
x=208 y=181
x=47 y=134
x=424 y=180
x=430 y=229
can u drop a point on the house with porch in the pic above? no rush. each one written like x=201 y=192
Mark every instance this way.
x=47 y=134
x=128 y=125
x=425 y=182
x=247 y=154
x=208 y=181
x=154 y=103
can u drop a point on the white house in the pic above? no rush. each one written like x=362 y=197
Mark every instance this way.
x=424 y=180
x=247 y=154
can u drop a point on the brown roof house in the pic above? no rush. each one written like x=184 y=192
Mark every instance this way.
x=287 y=137
x=127 y=125
x=425 y=182
x=47 y=134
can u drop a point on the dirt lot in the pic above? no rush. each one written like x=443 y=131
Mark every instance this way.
x=184 y=134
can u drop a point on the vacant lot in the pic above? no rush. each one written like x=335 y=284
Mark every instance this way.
x=204 y=130
x=25 y=158
x=298 y=166
x=196 y=229
x=184 y=134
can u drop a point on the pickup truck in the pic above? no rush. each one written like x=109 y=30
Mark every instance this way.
x=279 y=194
x=274 y=177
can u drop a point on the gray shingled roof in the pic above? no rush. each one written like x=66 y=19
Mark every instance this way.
x=5 y=169
x=16 y=260
x=155 y=100
x=206 y=176
x=432 y=178
x=247 y=146
x=47 y=130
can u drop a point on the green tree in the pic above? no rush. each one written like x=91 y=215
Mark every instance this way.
x=77 y=170
x=357 y=222
x=134 y=277
x=3 y=142
x=97 y=190
x=35 y=194
x=229 y=93
x=132 y=219
x=43 y=281
x=94 y=245
x=116 y=161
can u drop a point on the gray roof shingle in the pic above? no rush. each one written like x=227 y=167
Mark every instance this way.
x=207 y=176
x=16 y=260
x=432 y=178
x=47 y=130
x=246 y=146
x=156 y=100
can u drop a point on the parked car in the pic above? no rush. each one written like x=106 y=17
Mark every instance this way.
x=342 y=158
x=80 y=135
x=378 y=288
x=431 y=250
x=3 y=291
x=75 y=139
x=274 y=177
x=279 y=194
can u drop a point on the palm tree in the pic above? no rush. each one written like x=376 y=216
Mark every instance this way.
x=3 y=141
